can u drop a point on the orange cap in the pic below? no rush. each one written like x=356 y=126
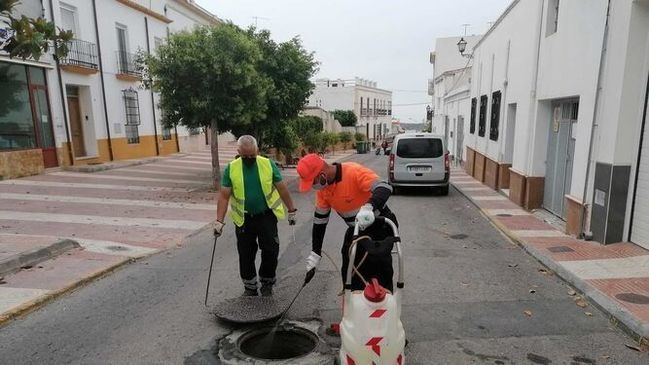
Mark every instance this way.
x=308 y=168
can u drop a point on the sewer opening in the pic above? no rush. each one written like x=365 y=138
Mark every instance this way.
x=280 y=344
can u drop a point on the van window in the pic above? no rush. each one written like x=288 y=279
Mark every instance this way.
x=420 y=148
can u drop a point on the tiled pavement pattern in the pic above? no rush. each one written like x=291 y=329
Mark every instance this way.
x=115 y=215
x=615 y=276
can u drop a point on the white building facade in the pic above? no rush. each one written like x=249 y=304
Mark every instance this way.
x=371 y=105
x=544 y=131
x=92 y=100
x=449 y=89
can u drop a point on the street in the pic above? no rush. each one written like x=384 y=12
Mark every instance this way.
x=471 y=296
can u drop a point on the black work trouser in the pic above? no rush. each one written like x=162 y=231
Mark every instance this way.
x=373 y=267
x=258 y=232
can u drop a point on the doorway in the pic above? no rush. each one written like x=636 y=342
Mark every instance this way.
x=459 y=140
x=560 y=156
x=510 y=133
x=76 y=124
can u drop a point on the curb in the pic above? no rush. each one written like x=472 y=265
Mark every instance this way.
x=39 y=302
x=109 y=166
x=36 y=256
x=618 y=315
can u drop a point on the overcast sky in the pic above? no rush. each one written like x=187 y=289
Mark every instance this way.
x=386 y=41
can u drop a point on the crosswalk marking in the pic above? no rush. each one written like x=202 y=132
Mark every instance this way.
x=134 y=178
x=107 y=201
x=111 y=221
x=56 y=184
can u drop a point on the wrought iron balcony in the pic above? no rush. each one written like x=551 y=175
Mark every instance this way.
x=82 y=57
x=126 y=65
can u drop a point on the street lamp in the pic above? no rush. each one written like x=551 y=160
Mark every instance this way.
x=461 y=46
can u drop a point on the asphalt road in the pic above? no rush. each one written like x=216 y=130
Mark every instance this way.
x=472 y=296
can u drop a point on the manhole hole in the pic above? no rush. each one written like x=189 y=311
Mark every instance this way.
x=117 y=248
x=633 y=298
x=460 y=236
x=282 y=344
x=559 y=249
x=503 y=215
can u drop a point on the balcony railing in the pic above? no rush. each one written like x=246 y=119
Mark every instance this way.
x=126 y=64
x=82 y=54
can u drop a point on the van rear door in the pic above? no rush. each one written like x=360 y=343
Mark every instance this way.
x=419 y=160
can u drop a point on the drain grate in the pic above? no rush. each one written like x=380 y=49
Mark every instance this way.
x=503 y=215
x=633 y=298
x=459 y=236
x=560 y=249
x=117 y=248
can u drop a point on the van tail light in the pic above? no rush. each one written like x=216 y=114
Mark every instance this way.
x=391 y=166
x=447 y=161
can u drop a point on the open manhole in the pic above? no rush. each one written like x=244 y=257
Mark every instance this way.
x=281 y=344
x=633 y=298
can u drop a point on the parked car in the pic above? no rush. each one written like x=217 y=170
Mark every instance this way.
x=419 y=160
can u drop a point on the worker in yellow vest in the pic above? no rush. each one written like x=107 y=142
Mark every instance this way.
x=253 y=187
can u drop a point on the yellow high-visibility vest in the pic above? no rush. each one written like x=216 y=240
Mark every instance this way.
x=238 y=197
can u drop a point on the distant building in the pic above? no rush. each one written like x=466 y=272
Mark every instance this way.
x=449 y=89
x=329 y=123
x=372 y=106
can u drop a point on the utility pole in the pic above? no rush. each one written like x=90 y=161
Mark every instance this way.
x=257 y=18
x=466 y=26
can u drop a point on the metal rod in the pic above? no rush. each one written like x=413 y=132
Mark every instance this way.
x=209 y=275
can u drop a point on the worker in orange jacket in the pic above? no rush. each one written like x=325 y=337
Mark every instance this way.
x=352 y=190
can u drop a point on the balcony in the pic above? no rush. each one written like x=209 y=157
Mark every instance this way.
x=82 y=58
x=127 y=69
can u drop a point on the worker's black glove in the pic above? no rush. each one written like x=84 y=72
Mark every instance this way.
x=292 y=217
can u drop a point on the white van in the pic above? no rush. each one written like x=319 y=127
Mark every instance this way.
x=419 y=159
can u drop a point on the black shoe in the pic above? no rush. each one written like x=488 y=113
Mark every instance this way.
x=249 y=293
x=266 y=290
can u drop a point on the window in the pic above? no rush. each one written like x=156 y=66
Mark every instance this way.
x=69 y=18
x=552 y=17
x=166 y=133
x=123 y=56
x=495 y=116
x=482 y=126
x=474 y=102
x=16 y=120
x=132 y=107
x=420 y=148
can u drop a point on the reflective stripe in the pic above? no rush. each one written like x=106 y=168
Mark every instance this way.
x=323 y=211
x=240 y=201
x=270 y=195
x=267 y=281
x=251 y=281
x=277 y=204
x=381 y=184
x=236 y=210
x=350 y=214
x=320 y=220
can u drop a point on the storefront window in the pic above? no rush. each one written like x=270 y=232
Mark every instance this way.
x=16 y=120
x=36 y=76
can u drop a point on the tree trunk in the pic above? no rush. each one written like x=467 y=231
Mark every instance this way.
x=214 y=148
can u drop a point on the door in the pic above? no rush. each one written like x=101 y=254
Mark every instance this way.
x=560 y=155
x=459 y=140
x=76 y=127
x=510 y=133
x=640 y=218
x=44 y=128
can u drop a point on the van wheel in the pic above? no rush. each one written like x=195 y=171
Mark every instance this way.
x=395 y=190
x=443 y=190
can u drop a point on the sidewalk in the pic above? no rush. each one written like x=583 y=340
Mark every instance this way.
x=615 y=276
x=115 y=215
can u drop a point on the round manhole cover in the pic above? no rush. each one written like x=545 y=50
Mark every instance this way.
x=633 y=298
x=459 y=236
x=278 y=343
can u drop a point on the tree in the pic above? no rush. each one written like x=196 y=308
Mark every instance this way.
x=209 y=77
x=306 y=125
x=359 y=137
x=288 y=68
x=330 y=139
x=347 y=118
x=30 y=37
x=345 y=137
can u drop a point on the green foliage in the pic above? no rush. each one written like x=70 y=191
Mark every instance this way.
x=345 y=137
x=32 y=37
x=306 y=125
x=359 y=137
x=208 y=78
x=288 y=68
x=330 y=139
x=347 y=118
